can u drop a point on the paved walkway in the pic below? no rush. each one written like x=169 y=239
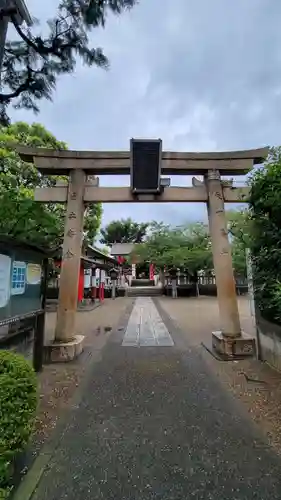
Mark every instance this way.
x=145 y=326
x=155 y=424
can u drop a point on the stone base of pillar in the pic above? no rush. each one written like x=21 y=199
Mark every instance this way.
x=240 y=347
x=63 y=352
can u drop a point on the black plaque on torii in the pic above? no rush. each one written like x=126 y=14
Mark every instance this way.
x=146 y=155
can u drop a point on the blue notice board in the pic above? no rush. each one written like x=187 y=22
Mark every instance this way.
x=18 y=278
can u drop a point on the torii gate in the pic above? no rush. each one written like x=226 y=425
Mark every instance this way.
x=78 y=165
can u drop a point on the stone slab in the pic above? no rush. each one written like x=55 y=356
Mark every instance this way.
x=64 y=351
x=243 y=346
x=145 y=327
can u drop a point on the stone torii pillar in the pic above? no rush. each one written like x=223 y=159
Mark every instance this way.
x=230 y=341
x=67 y=344
x=70 y=269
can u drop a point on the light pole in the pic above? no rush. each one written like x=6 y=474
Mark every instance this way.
x=19 y=9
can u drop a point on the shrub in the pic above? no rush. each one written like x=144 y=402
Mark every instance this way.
x=4 y=493
x=18 y=403
x=265 y=244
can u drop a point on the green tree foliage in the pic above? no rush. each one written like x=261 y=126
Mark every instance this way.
x=92 y=222
x=265 y=244
x=123 y=231
x=20 y=215
x=239 y=227
x=33 y=62
x=182 y=246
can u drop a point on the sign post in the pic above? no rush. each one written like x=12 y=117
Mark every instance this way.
x=113 y=275
x=174 y=279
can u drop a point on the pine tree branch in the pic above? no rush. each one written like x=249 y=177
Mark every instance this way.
x=6 y=98
x=32 y=65
x=41 y=48
x=23 y=36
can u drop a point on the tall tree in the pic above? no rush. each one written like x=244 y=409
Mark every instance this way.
x=20 y=215
x=265 y=243
x=182 y=246
x=123 y=231
x=32 y=63
x=239 y=227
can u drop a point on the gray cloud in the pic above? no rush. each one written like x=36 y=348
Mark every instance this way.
x=201 y=74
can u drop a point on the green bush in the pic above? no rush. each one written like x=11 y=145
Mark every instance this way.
x=265 y=243
x=5 y=493
x=18 y=403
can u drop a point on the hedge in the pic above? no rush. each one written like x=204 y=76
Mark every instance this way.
x=265 y=241
x=18 y=403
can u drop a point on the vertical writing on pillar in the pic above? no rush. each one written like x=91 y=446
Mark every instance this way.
x=71 y=226
x=220 y=215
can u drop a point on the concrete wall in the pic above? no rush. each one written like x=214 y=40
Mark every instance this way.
x=21 y=343
x=189 y=290
x=270 y=341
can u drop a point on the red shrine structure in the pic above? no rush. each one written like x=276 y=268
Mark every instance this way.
x=94 y=271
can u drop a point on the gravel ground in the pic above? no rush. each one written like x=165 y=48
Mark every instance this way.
x=155 y=423
x=59 y=381
x=253 y=382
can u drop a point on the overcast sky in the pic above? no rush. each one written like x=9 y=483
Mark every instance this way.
x=201 y=74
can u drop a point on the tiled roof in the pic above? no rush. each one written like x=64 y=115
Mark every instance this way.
x=122 y=248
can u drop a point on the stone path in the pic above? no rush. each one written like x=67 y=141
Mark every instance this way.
x=145 y=326
x=156 y=424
